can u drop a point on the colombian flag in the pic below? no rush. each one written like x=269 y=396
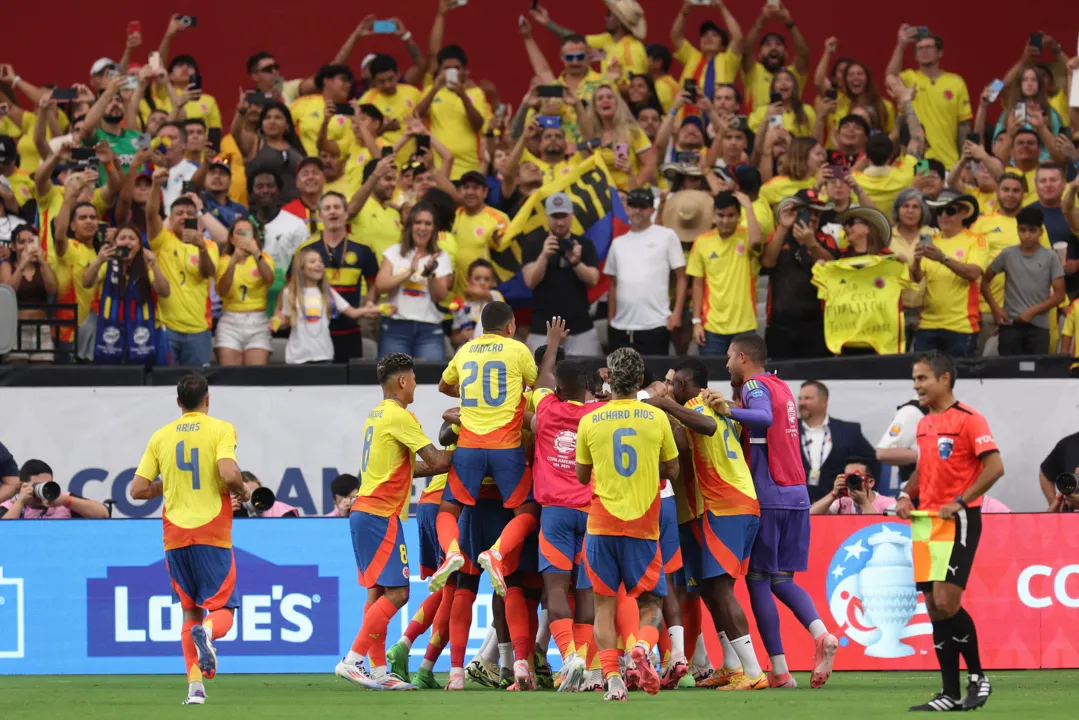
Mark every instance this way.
x=599 y=216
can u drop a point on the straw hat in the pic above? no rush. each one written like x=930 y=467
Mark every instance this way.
x=875 y=219
x=689 y=213
x=948 y=196
x=630 y=14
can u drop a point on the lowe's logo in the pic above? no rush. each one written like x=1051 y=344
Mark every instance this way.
x=284 y=610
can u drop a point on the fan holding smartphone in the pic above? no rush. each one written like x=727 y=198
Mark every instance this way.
x=1024 y=96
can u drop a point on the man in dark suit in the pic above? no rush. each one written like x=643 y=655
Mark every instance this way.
x=826 y=441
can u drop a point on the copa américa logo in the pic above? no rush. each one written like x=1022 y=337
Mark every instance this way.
x=284 y=610
x=871 y=591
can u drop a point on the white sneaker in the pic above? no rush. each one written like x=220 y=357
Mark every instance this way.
x=196 y=695
x=483 y=673
x=356 y=674
x=389 y=681
x=594 y=682
x=573 y=673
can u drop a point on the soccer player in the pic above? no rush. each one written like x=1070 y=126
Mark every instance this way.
x=392 y=437
x=782 y=545
x=630 y=446
x=196 y=459
x=958 y=461
x=729 y=524
x=489 y=375
x=565 y=505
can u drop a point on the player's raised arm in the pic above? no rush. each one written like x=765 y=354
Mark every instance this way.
x=697 y=422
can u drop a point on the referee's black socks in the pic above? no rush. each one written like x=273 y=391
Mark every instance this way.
x=953 y=637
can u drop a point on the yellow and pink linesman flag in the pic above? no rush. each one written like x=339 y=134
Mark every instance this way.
x=598 y=216
x=932 y=540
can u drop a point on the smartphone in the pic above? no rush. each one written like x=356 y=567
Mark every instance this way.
x=1020 y=111
x=549 y=121
x=707 y=2
x=521 y=22
x=549 y=91
x=64 y=94
x=839 y=172
x=925 y=239
x=83 y=155
x=995 y=88
x=923 y=32
x=453 y=75
x=191 y=224
x=687 y=157
x=921 y=167
x=974 y=138
x=803 y=216
x=621 y=150
x=775 y=121
x=832 y=94
x=258 y=98
x=387 y=151
x=130 y=83
x=343 y=109
x=196 y=80
x=738 y=121
x=774 y=98
x=189 y=21
x=458 y=3
x=142 y=141
x=1036 y=41
x=689 y=87
x=154 y=60
x=587 y=145
x=500 y=111
x=423 y=142
x=384 y=27
x=134 y=27
x=188 y=187
x=773 y=3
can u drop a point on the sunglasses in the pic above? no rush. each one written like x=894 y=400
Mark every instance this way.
x=574 y=57
x=269 y=68
x=950 y=210
x=854 y=221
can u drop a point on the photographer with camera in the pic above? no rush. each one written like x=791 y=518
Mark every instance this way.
x=559 y=269
x=262 y=502
x=40 y=497
x=1058 y=475
x=853 y=493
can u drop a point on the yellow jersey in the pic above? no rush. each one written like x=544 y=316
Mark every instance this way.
x=75 y=260
x=391 y=438
x=790 y=120
x=624 y=441
x=551 y=172
x=1071 y=330
x=999 y=231
x=723 y=477
x=758 y=85
x=187 y=308
x=358 y=161
x=638 y=143
x=398 y=106
x=783 y=186
x=729 y=267
x=238 y=185
x=863 y=302
x=631 y=53
x=204 y=108
x=474 y=235
x=249 y=291
x=951 y=303
x=185 y=454
x=448 y=122
x=941 y=105
x=667 y=89
x=23 y=134
x=492 y=372
x=347 y=184
x=307 y=115
x=843 y=108
x=883 y=184
x=22 y=186
x=378 y=227
x=695 y=65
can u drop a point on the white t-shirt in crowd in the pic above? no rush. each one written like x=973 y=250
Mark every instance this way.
x=283 y=235
x=179 y=173
x=413 y=297
x=902 y=432
x=8 y=225
x=642 y=263
x=309 y=340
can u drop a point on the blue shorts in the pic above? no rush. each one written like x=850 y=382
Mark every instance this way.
x=669 y=546
x=379 y=544
x=507 y=467
x=728 y=542
x=612 y=560
x=561 y=542
x=481 y=526
x=689 y=575
x=431 y=555
x=203 y=576
x=782 y=543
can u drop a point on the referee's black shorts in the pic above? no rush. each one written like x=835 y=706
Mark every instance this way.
x=968 y=530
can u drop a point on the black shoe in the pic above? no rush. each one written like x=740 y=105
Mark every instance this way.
x=978 y=690
x=941 y=703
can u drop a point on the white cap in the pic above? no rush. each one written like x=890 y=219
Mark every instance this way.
x=101 y=65
x=367 y=60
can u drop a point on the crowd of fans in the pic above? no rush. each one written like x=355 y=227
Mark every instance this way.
x=887 y=208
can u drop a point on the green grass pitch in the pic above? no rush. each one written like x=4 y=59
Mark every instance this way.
x=1033 y=694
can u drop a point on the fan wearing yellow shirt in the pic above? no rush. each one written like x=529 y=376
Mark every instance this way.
x=883 y=179
x=367 y=126
x=800 y=166
x=333 y=167
x=309 y=112
x=195 y=457
x=183 y=72
x=622 y=40
x=244 y=276
x=952 y=267
x=478 y=228
x=757 y=72
x=724 y=266
x=455 y=112
x=626 y=150
x=941 y=101
x=798 y=117
x=720 y=54
x=659 y=69
x=394 y=99
x=1069 y=341
x=375 y=221
x=392 y=437
x=577 y=75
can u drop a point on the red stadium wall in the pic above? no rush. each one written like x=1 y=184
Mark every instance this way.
x=304 y=35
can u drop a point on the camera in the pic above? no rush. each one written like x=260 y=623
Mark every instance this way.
x=48 y=491
x=856 y=481
x=565 y=245
x=1067 y=483
x=262 y=499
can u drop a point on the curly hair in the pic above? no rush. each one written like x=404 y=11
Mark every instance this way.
x=625 y=368
x=391 y=365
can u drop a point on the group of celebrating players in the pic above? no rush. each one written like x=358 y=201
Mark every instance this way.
x=617 y=503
